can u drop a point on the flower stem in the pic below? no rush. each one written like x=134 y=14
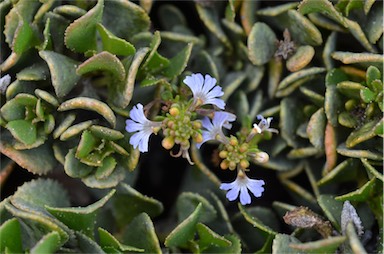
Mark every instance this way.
x=203 y=168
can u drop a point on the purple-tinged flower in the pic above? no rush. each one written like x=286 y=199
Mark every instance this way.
x=264 y=125
x=214 y=129
x=142 y=126
x=242 y=184
x=205 y=91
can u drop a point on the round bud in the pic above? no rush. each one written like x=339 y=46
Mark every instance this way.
x=232 y=165
x=198 y=138
x=262 y=157
x=223 y=154
x=233 y=141
x=174 y=111
x=224 y=164
x=244 y=163
x=168 y=143
x=243 y=148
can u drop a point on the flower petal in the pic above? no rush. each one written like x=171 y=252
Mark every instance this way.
x=233 y=193
x=245 y=198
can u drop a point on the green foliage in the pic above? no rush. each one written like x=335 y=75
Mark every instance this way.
x=78 y=67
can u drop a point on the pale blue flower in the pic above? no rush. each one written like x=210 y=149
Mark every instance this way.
x=4 y=83
x=205 y=91
x=214 y=129
x=142 y=126
x=242 y=184
x=264 y=125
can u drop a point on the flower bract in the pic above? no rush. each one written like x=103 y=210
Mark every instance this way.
x=242 y=184
x=205 y=90
x=142 y=126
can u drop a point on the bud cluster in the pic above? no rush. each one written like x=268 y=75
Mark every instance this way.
x=234 y=155
x=178 y=128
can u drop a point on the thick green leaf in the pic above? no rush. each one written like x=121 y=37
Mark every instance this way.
x=332 y=209
x=359 y=34
x=41 y=224
x=364 y=133
x=103 y=61
x=106 y=169
x=316 y=129
x=80 y=218
x=361 y=194
x=90 y=104
x=255 y=222
x=75 y=130
x=73 y=167
x=10 y=236
x=291 y=116
x=354 y=241
x=80 y=36
x=50 y=243
x=120 y=94
x=345 y=171
x=47 y=97
x=372 y=74
x=276 y=10
x=87 y=143
x=282 y=242
x=39 y=160
x=300 y=75
x=210 y=18
x=63 y=72
x=106 y=133
x=324 y=7
x=23 y=130
x=13 y=110
x=185 y=231
x=134 y=21
x=207 y=237
x=108 y=240
x=187 y=203
x=113 y=44
x=261 y=44
x=367 y=95
x=178 y=63
x=87 y=245
x=234 y=248
x=128 y=203
x=24 y=37
x=171 y=16
x=37 y=71
x=372 y=170
x=333 y=102
x=35 y=195
x=64 y=125
x=360 y=153
x=302 y=30
x=374 y=28
x=112 y=180
x=24 y=10
x=350 y=58
x=329 y=245
x=301 y=58
x=141 y=233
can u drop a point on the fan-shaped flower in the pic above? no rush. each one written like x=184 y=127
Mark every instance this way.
x=142 y=126
x=214 y=129
x=205 y=91
x=242 y=184
x=264 y=125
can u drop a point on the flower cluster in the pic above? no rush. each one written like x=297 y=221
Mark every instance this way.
x=201 y=119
